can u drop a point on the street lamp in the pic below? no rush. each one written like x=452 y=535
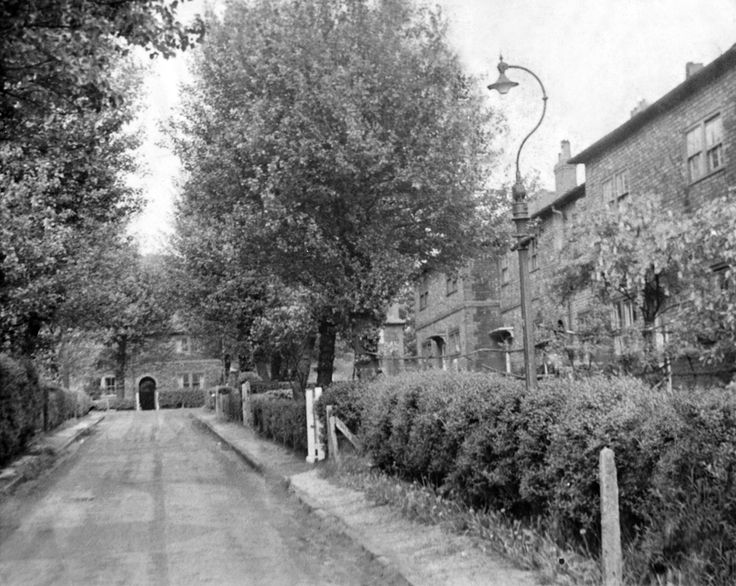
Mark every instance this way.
x=520 y=212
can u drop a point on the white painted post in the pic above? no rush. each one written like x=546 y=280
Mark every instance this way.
x=315 y=450
x=156 y=398
x=245 y=394
x=611 y=560
x=318 y=431
x=332 y=446
x=311 y=450
x=137 y=401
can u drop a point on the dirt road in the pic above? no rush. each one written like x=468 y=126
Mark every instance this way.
x=151 y=499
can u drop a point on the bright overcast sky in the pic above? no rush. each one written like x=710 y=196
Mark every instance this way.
x=596 y=58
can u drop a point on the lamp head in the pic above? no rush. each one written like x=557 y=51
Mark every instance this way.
x=503 y=84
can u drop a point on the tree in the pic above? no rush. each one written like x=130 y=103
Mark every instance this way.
x=122 y=298
x=57 y=54
x=344 y=142
x=65 y=100
x=673 y=270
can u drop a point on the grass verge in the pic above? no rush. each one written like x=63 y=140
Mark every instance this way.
x=528 y=547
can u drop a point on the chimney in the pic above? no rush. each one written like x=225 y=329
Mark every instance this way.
x=640 y=107
x=692 y=68
x=565 y=174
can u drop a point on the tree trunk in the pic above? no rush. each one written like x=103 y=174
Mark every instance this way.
x=121 y=363
x=301 y=373
x=30 y=335
x=326 y=358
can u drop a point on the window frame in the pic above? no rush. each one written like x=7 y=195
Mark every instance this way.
x=451 y=285
x=616 y=187
x=703 y=154
x=505 y=272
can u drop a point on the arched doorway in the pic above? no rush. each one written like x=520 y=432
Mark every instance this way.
x=439 y=352
x=147 y=393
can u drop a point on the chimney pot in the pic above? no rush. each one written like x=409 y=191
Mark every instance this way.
x=565 y=173
x=692 y=68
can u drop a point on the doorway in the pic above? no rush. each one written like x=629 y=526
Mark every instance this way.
x=147 y=393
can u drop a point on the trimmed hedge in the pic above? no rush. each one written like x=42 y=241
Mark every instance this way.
x=181 y=398
x=488 y=442
x=263 y=386
x=281 y=418
x=64 y=404
x=21 y=406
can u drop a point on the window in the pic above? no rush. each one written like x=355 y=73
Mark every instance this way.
x=451 y=284
x=454 y=342
x=616 y=188
x=505 y=276
x=108 y=384
x=191 y=380
x=423 y=298
x=184 y=345
x=704 y=145
x=625 y=314
x=722 y=273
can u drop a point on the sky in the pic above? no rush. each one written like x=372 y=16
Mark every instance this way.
x=596 y=58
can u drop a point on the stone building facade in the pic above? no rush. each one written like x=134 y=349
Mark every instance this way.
x=678 y=149
x=454 y=315
x=175 y=362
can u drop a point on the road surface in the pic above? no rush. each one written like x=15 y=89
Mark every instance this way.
x=150 y=498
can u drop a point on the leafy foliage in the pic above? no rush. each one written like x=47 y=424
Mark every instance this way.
x=65 y=100
x=491 y=444
x=21 y=404
x=279 y=417
x=675 y=270
x=181 y=398
x=336 y=146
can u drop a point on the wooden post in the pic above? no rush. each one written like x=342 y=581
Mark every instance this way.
x=319 y=443
x=245 y=395
x=332 y=447
x=315 y=449
x=611 y=560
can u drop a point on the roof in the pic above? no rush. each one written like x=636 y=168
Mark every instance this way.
x=692 y=84
x=569 y=196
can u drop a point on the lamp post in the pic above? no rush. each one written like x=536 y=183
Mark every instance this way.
x=520 y=211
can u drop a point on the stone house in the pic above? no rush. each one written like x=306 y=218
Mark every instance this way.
x=678 y=149
x=174 y=362
x=454 y=315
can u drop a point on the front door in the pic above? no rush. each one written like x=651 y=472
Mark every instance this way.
x=147 y=393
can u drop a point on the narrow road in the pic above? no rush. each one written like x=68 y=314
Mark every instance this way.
x=152 y=499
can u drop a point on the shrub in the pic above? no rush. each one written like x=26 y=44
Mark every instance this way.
x=280 y=418
x=63 y=404
x=21 y=406
x=181 y=398
x=263 y=386
x=125 y=404
x=346 y=399
x=490 y=443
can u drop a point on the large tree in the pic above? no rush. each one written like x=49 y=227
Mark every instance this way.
x=123 y=299
x=65 y=101
x=344 y=142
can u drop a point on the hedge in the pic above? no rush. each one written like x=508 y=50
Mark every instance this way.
x=279 y=417
x=21 y=406
x=488 y=442
x=263 y=386
x=181 y=398
x=64 y=404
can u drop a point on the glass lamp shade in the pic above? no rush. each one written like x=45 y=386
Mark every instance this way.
x=503 y=84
